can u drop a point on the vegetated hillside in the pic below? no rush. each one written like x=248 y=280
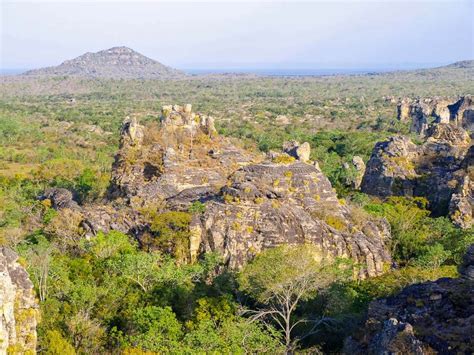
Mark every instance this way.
x=461 y=64
x=116 y=62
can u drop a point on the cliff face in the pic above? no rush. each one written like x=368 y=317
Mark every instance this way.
x=426 y=318
x=249 y=202
x=440 y=169
x=19 y=310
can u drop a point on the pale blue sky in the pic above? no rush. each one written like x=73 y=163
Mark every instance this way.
x=314 y=34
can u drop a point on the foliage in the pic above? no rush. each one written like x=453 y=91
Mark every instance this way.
x=418 y=239
x=105 y=295
x=278 y=291
x=172 y=233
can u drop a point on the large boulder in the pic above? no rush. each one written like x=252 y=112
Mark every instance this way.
x=19 y=312
x=296 y=150
x=427 y=318
x=59 y=198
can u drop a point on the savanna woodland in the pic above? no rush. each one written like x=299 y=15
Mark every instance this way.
x=150 y=226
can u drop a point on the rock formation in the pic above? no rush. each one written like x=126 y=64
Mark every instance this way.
x=423 y=112
x=427 y=318
x=435 y=169
x=297 y=150
x=250 y=204
x=19 y=310
x=403 y=109
x=462 y=113
x=59 y=198
x=184 y=153
x=355 y=172
x=270 y=204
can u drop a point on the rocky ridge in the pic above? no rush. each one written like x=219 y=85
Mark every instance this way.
x=250 y=202
x=19 y=309
x=116 y=62
x=427 y=318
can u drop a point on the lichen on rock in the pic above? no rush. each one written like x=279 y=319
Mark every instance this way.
x=19 y=309
x=435 y=317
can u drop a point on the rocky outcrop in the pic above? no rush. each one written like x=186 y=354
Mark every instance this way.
x=248 y=204
x=269 y=204
x=426 y=318
x=423 y=112
x=355 y=171
x=435 y=169
x=184 y=153
x=462 y=113
x=131 y=133
x=19 y=310
x=390 y=169
x=59 y=198
x=403 y=109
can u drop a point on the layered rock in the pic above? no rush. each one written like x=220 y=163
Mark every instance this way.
x=426 y=318
x=19 y=310
x=269 y=204
x=435 y=169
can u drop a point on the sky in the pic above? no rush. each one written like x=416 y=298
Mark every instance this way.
x=267 y=34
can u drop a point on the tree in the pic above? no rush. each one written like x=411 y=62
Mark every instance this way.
x=39 y=259
x=140 y=268
x=279 y=280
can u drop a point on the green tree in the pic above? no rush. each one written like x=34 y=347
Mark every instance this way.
x=281 y=278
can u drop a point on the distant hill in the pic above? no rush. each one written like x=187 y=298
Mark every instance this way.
x=116 y=62
x=462 y=64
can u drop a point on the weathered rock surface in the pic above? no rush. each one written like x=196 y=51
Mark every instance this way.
x=297 y=150
x=19 y=310
x=268 y=204
x=59 y=198
x=403 y=109
x=462 y=113
x=355 y=172
x=435 y=169
x=426 y=318
x=184 y=153
x=423 y=112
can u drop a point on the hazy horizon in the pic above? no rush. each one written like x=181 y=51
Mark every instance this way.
x=371 y=35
